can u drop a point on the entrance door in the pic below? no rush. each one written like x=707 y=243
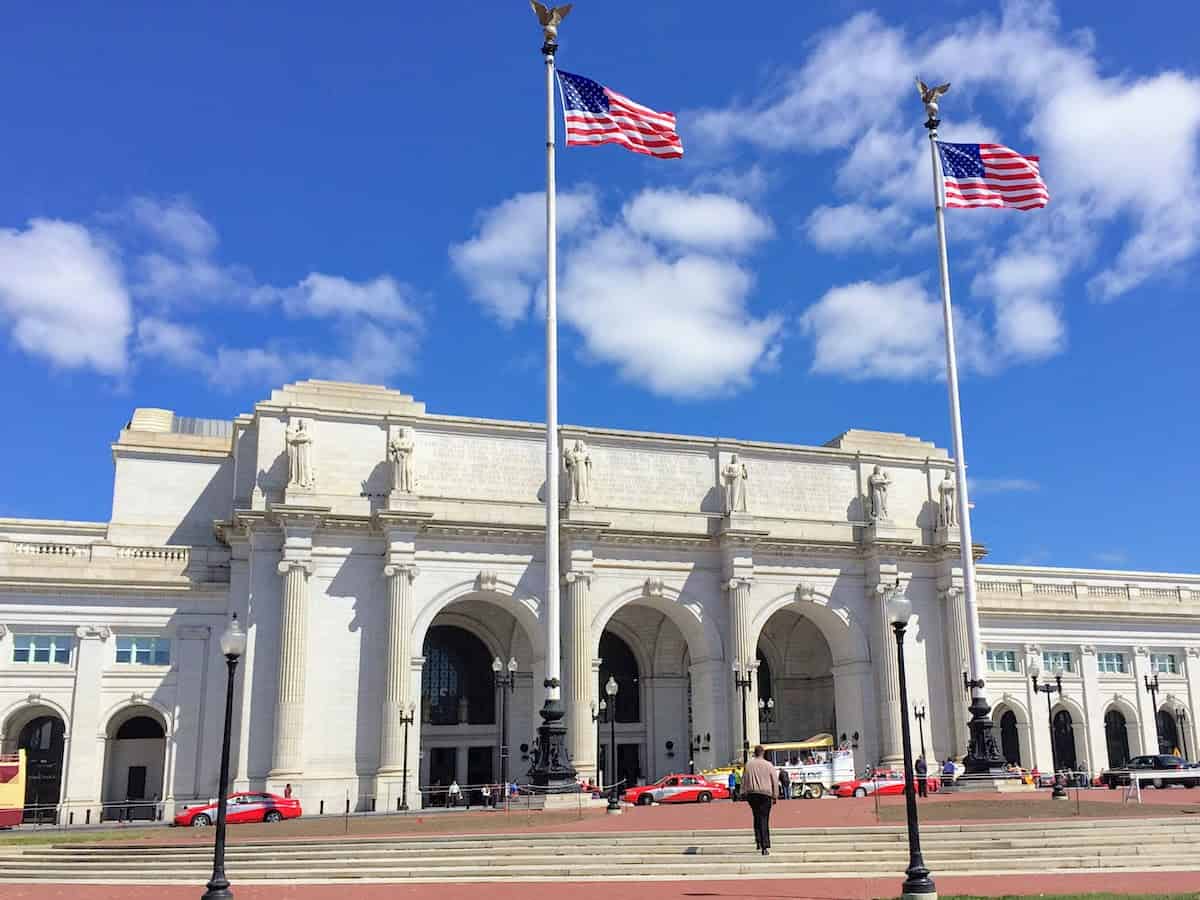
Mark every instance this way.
x=42 y=741
x=1064 y=740
x=629 y=763
x=1116 y=736
x=479 y=769
x=443 y=769
x=1010 y=741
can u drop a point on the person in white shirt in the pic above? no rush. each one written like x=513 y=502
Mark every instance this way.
x=453 y=793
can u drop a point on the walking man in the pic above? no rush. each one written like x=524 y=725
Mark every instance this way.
x=760 y=782
x=785 y=785
x=922 y=777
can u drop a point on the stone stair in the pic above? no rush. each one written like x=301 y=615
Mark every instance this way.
x=1082 y=845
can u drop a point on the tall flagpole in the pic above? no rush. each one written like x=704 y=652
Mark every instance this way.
x=983 y=755
x=551 y=769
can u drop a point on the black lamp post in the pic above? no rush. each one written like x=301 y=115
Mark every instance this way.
x=1059 y=792
x=233 y=645
x=919 y=713
x=1181 y=718
x=406 y=719
x=599 y=716
x=766 y=716
x=1152 y=687
x=917 y=880
x=614 y=799
x=743 y=677
x=506 y=684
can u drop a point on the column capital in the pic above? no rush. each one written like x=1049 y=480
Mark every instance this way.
x=286 y=565
x=100 y=632
x=1192 y=652
x=409 y=569
x=1141 y=650
x=1087 y=649
x=584 y=578
x=739 y=581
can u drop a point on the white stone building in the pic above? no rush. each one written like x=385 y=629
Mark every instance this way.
x=391 y=554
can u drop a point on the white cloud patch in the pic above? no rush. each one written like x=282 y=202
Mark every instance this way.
x=63 y=295
x=175 y=223
x=658 y=292
x=982 y=486
x=853 y=225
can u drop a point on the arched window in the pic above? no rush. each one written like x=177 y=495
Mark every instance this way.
x=1064 y=740
x=618 y=661
x=1168 y=733
x=457 y=685
x=1116 y=736
x=1010 y=740
x=764 y=678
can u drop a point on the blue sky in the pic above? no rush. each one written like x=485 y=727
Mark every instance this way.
x=204 y=201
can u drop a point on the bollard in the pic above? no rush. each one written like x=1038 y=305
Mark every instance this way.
x=322 y=810
x=71 y=817
x=87 y=817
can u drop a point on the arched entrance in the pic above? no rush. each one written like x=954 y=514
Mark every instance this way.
x=134 y=764
x=796 y=670
x=1168 y=733
x=1010 y=739
x=42 y=739
x=463 y=714
x=624 y=711
x=1116 y=738
x=1064 y=740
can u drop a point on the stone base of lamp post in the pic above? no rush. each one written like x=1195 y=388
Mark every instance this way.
x=551 y=771
x=983 y=753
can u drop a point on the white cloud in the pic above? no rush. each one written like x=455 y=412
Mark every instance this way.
x=705 y=221
x=179 y=344
x=749 y=182
x=63 y=295
x=322 y=296
x=174 y=222
x=855 y=225
x=1028 y=323
x=980 y=486
x=888 y=330
x=505 y=262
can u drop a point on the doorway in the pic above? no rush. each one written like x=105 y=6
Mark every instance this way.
x=629 y=763
x=443 y=769
x=42 y=741
x=1064 y=741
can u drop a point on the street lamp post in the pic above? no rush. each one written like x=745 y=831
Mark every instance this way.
x=233 y=645
x=917 y=882
x=407 y=717
x=506 y=684
x=1059 y=792
x=743 y=677
x=597 y=716
x=1181 y=718
x=614 y=799
x=919 y=712
x=766 y=716
x=1152 y=687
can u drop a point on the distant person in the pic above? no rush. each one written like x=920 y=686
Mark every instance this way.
x=785 y=785
x=453 y=793
x=732 y=786
x=287 y=791
x=738 y=777
x=922 y=768
x=948 y=771
x=761 y=784
x=485 y=795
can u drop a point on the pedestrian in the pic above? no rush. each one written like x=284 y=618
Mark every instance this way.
x=761 y=783
x=732 y=785
x=453 y=793
x=287 y=791
x=738 y=776
x=922 y=777
x=785 y=785
x=948 y=772
x=485 y=796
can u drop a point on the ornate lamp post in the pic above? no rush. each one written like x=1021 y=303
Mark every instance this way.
x=506 y=684
x=1059 y=792
x=919 y=713
x=599 y=715
x=1152 y=687
x=614 y=799
x=766 y=716
x=743 y=677
x=917 y=882
x=1181 y=718
x=233 y=646
x=407 y=717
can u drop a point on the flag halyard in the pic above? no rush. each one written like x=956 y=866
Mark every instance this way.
x=595 y=114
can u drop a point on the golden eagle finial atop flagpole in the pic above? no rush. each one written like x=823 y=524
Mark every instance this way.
x=930 y=97
x=550 y=18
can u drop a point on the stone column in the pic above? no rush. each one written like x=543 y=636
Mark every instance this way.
x=891 y=753
x=1093 y=710
x=85 y=741
x=578 y=680
x=191 y=662
x=1192 y=672
x=954 y=615
x=1147 y=714
x=396 y=693
x=743 y=650
x=1041 y=754
x=287 y=758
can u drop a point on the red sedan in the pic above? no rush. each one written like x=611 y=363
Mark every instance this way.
x=883 y=782
x=677 y=789
x=242 y=807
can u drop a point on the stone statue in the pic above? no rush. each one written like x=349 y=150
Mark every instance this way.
x=948 y=506
x=878 y=486
x=734 y=476
x=400 y=452
x=930 y=97
x=579 y=467
x=299 y=450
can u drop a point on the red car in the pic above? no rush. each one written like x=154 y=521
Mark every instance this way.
x=242 y=807
x=881 y=781
x=677 y=789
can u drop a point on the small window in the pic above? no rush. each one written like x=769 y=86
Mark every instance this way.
x=143 y=650
x=1002 y=660
x=1164 y=663
x=1054 y=659
x=1111 y=662
x=42 y=648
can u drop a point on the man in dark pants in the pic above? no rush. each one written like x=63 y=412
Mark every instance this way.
x=922 y=777
x=760 y=785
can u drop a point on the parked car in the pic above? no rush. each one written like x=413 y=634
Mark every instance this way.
x=678 y=789
x=242 y=807
x=881 y=781
x=1161 y=762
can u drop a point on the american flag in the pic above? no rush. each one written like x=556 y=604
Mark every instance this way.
x=990 y=175
x=597 y=115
